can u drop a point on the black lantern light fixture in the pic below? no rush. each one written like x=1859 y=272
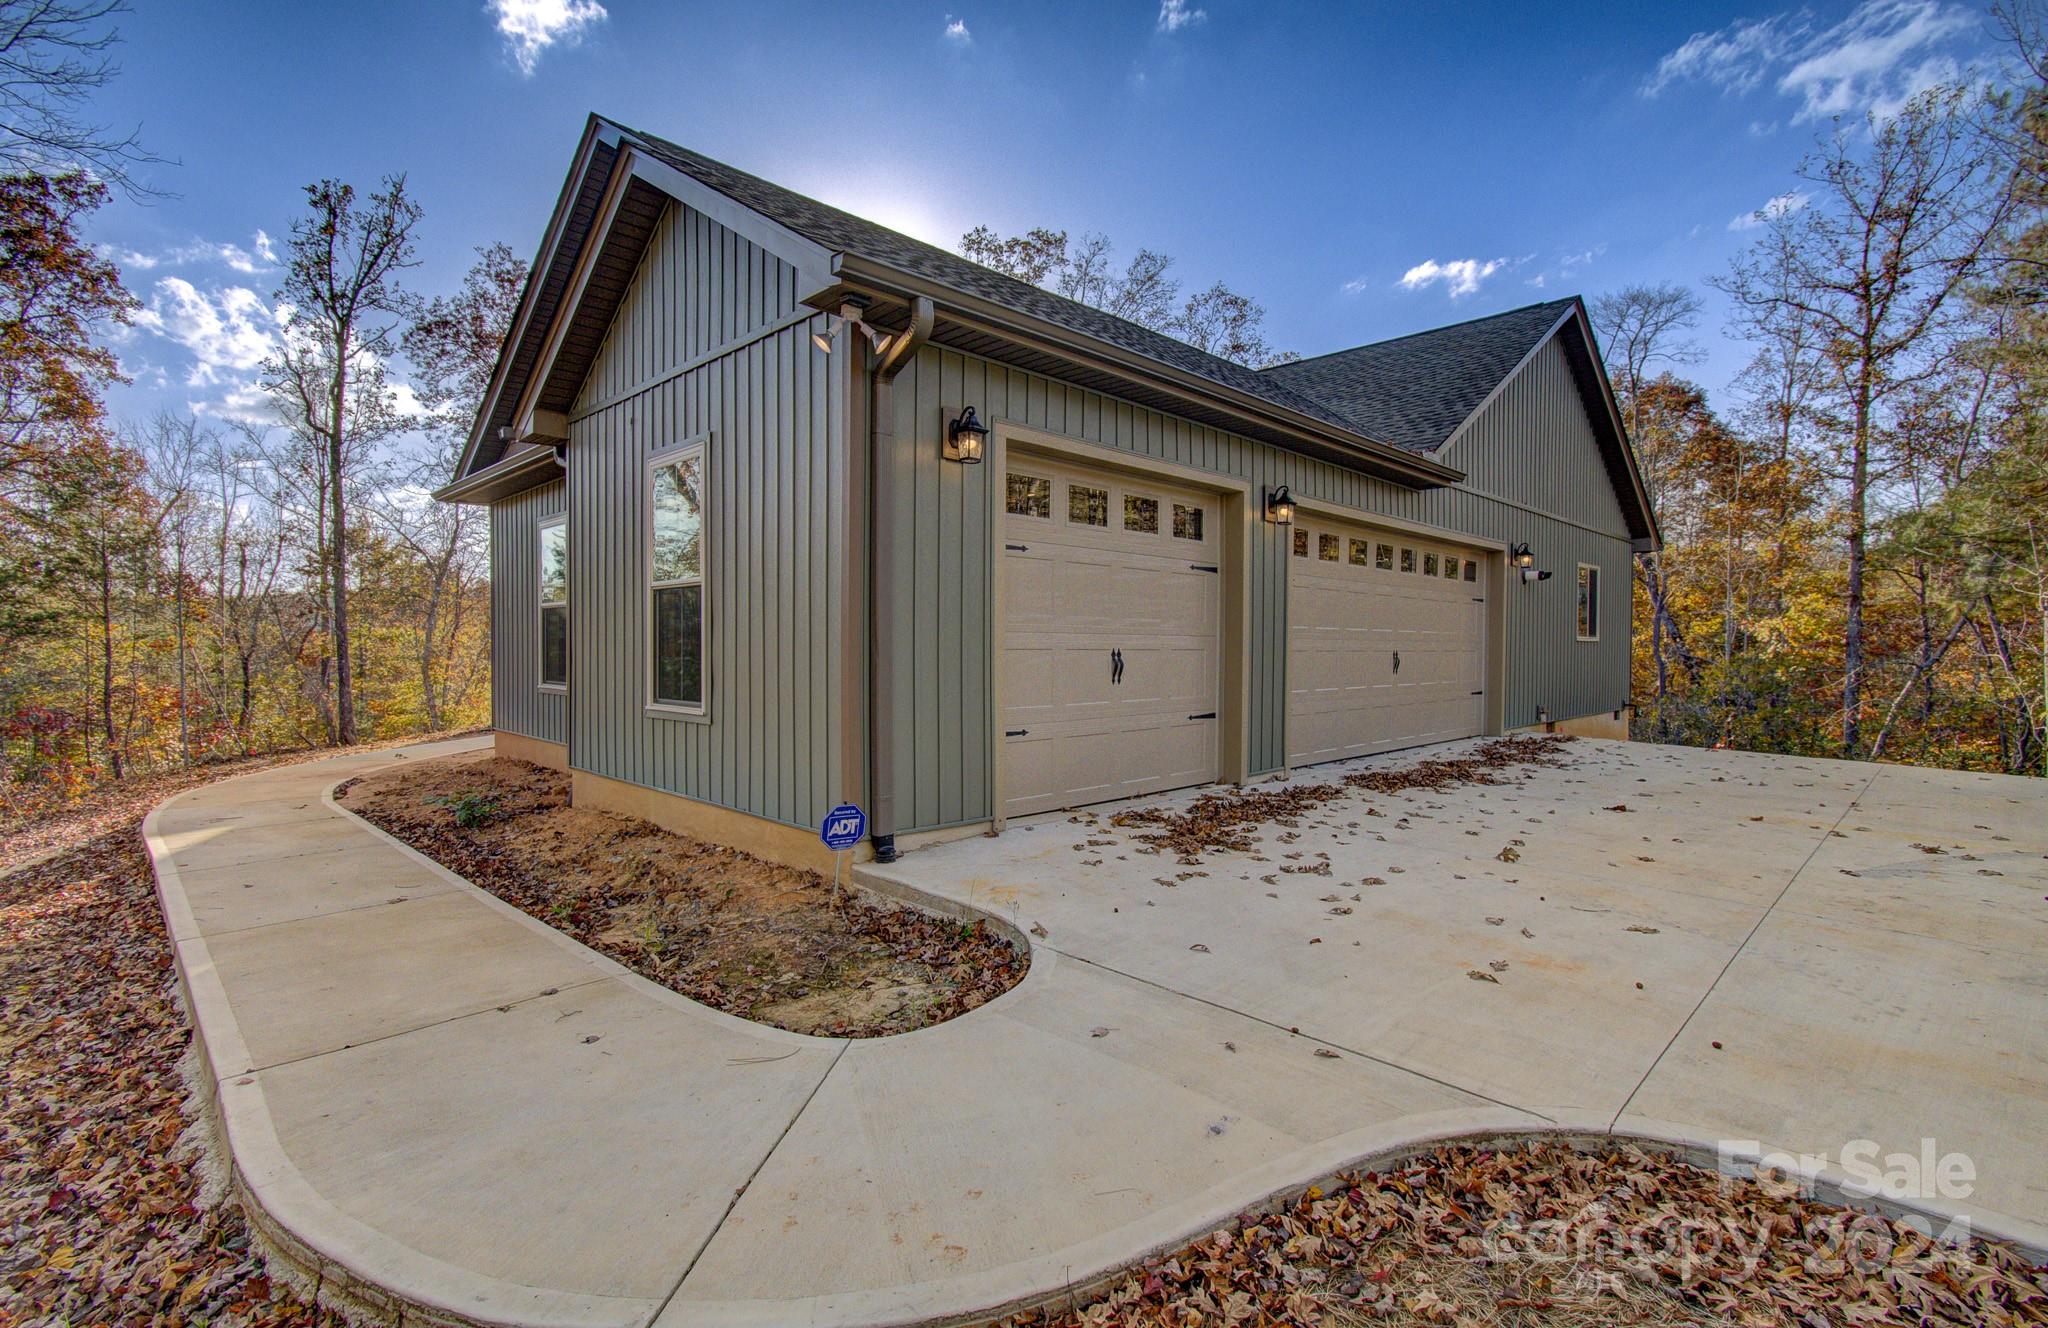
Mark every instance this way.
x=1519 y=555
x=964 y=437
x=1280 y=506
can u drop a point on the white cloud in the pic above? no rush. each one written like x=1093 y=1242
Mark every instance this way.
x=1582 y=258
x=1883 y=53
x=228 y=332
x=1460 y=276
x=1780 y=205
x=1354 y=286
x=956 y=31
x=261 y=256
x=1176 y=14
x=529 y=27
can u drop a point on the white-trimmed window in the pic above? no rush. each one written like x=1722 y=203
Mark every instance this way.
x=676 y=547
x=1589 y=602
x=554 y=602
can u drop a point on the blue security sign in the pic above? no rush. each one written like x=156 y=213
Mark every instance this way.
x=843 y=827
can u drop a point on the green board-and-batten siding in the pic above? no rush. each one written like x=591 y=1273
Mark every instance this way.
x=938 y=609
x=518 y=704
x=711 y=342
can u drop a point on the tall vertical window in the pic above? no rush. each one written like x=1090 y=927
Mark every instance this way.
x=675 y=577
x=1589 y=602
x=554 y=602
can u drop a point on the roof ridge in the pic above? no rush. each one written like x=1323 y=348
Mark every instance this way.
x=1424 y=332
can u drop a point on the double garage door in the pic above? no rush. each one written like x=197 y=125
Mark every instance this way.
x=1112 y=599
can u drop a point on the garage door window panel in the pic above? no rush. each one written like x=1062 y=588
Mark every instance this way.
x=1141 y=514
x=1087 y=506
x=1028 y=495
x=1187 y=522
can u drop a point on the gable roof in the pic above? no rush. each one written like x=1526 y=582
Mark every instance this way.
x=1415 y=391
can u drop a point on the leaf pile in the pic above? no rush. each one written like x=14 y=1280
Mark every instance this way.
x=1227 y=820
x=1541 y=1236
x=102 y=1220
x=750 y=937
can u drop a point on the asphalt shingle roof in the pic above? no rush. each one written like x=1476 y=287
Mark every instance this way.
x=1414 y=391
x=842 y=232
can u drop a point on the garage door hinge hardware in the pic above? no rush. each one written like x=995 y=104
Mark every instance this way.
x=1017 y=548
x=1202 y=567
x=1206 y=714
x=1116 y=667
x=1015 y=733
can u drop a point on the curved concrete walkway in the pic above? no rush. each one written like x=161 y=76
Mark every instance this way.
x=433 y=1101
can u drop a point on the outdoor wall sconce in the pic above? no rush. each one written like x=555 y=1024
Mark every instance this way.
x=964 y=438
x=1519 y=555
x=1280 y=506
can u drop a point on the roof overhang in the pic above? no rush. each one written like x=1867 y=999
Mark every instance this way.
x=996 y=332
x=523 y=468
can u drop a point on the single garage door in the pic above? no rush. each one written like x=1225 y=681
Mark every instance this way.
x=1111 y=615
x=1386 y=642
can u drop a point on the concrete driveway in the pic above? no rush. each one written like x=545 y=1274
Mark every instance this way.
x=1812 y=955
x=432 y=1103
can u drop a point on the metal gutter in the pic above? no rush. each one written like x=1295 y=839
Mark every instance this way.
x=882 y=498
x=504 y=477
x=1391 y=462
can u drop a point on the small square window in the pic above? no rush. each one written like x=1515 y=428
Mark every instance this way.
x=1471 y=570
x=1028 y=495
x=1300 y=543
x=1407 y=560
x=1429 y=564
x=1361 y=553
x=1141 y=515
x=1187 y=522
x=1383 y=557
x=1086 y=506
x=1326 y=547
x=1450 y=567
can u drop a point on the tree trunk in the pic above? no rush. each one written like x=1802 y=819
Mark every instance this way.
x=1852 y=635
x=344 y=669
x=107 y=661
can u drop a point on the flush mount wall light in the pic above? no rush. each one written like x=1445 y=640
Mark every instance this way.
x=964 y=437
x=1280 y=506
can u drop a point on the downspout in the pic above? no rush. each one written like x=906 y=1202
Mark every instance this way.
x=882 y=503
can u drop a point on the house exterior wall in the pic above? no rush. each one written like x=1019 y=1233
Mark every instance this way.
x=518 y=704
x=938 y=609
x=712 y=342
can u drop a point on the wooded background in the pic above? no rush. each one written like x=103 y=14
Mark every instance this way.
x=1856 y=534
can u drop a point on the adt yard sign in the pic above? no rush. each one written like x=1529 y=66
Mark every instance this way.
x=843 y=827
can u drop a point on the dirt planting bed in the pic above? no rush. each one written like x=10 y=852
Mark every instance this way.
x=749 y=937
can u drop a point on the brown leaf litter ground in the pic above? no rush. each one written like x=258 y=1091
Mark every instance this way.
x=1227 y=820
x=752 y=938
x=104 y=1218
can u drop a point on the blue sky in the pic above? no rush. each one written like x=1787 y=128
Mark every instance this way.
x=1363 y=169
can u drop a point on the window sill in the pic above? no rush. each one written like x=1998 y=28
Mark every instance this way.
x=558 y=688
x=684 y=714
x=1589 y=640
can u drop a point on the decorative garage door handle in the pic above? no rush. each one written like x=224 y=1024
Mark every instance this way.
x=1116 y=667
x=1397 y=661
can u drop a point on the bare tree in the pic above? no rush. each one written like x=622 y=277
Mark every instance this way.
x=1876 y=269
x=1641 y=328
x=54 y=54
x=341 y=285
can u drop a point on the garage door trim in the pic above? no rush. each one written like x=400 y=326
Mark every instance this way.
x=1234 y=508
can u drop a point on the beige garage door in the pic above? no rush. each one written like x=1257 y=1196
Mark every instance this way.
x=1386 y=642
x=1111 y=612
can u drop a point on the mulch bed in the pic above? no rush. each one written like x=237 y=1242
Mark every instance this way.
x=752 y=938
x=1228 y=820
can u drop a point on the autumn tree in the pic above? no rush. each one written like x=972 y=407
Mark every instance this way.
x=341 y=284
x=452 y=346
x=57 y=297
x=1874 y=273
